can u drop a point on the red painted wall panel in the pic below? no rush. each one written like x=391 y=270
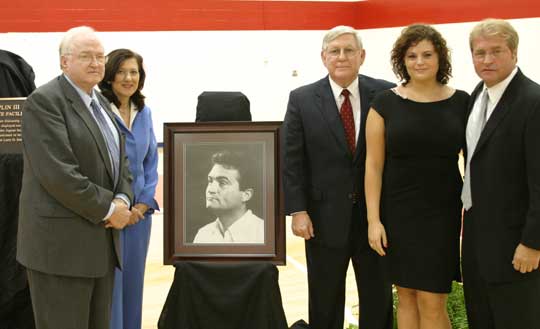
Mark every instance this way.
x=165 y=15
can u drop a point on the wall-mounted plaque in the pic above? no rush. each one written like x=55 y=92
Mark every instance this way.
x=10 y=124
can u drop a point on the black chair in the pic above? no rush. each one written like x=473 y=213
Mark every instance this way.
x=222 y=106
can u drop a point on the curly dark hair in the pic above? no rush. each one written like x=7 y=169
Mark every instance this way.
x=411 y=36
x=114 y=59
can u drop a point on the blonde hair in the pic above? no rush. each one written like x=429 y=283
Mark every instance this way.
x=492 y=27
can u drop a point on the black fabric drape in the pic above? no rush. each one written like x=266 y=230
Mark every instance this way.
x=16 y=80
x=16 y=76
x=12 y=278
x=224 y=296
x=15 y=305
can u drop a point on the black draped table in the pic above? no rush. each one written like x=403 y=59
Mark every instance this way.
x=15 y=306
x=224 y=296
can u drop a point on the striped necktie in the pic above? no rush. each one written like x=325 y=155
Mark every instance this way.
x=112 y=146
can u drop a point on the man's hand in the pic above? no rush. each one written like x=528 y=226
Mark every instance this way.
x=137 y=213
x=302 y=226
x=526 y=259
x=120 y=215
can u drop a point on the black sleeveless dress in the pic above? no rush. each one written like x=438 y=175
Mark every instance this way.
x=420 y=199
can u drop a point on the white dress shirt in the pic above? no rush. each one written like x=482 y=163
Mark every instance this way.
x=354 y=98
x=247 y=229
x=495 y=93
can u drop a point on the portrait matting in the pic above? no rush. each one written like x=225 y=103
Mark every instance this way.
x=192 y=202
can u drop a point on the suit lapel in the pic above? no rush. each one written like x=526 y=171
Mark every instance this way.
x=500 y=111
x=366 y=96
x=121 y=138
x=328 y=108
x=82 y=111
x=472 y=99
x=470 y=106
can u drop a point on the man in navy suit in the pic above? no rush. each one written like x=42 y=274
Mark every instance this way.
x=501 y=192
x=324 y=155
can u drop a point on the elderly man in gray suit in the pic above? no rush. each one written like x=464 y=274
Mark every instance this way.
x=75 y=191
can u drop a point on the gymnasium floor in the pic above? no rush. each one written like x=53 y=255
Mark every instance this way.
x=292 y=277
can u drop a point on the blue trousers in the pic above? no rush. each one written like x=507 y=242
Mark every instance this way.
x=128 y=283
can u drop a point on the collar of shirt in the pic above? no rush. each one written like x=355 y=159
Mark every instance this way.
x=495 y=92
x=132 y=115
x=87 y=99
x=238 y=229
x=354 y=98
x=336 y=90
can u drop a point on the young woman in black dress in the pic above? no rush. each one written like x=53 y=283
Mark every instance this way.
x=414 y=133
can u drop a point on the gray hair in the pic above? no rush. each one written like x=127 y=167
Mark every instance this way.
x=338 y=31
x=67 y=41
x=492 y=27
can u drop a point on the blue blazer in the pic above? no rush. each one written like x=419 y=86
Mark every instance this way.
x=141 y=150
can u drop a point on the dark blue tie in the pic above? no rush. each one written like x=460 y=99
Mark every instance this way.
x=109 y=138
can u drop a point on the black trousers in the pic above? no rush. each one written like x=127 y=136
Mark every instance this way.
x=508 y=305
x=327 y=270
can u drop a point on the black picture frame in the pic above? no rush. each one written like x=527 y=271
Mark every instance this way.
x=188 y=150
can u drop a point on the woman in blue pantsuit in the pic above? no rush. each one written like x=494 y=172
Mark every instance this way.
x=122 y=85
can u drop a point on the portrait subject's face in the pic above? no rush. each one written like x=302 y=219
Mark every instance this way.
x=223 y=192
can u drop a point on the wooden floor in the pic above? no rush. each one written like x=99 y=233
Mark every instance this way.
x=292 y=278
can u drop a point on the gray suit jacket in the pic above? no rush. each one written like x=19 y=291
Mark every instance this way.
x=67 y=185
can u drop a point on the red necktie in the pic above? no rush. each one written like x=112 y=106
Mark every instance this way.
x=348 y=120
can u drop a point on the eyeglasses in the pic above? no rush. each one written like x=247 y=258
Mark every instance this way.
x=347 y=52
x=87 y=58
x=481 y=54
x=124 y=74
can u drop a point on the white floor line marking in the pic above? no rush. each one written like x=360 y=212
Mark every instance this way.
x=349 y=317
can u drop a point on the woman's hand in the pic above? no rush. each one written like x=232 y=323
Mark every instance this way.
x=137 y=213
x=377 y=237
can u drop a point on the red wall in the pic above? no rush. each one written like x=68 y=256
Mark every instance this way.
x=163 y=15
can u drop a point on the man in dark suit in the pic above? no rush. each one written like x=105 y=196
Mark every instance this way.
x=324 y=155
x=501 y=192
x=75 y=192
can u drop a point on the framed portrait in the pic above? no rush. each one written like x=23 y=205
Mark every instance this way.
x=222 y=192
